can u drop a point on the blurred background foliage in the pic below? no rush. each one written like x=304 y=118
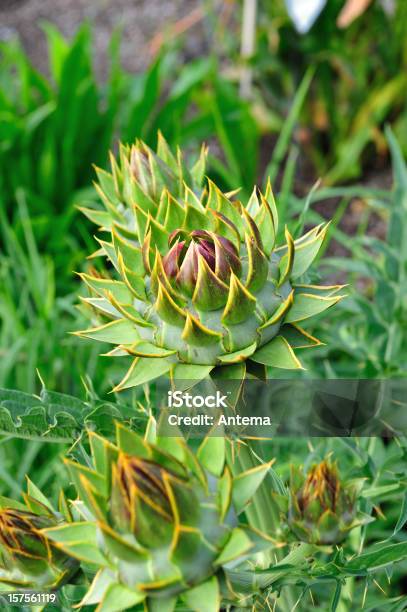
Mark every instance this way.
x=269 y=100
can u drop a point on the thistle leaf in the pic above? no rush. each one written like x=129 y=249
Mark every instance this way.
x=297 y=337
x=240 y=303
x=218 y=201
x=306 y=252
x=102 y=580
x=102 y=285
x=272 y=203
x=114 y=332
x=287 y=261
x=265 y=222
x=130 y=442
x=194 y=219
x=133 y=282
x=35 y=493
x=107 y=185
x=277 y=354
x=78 y=540
x=239 y=543
x=142 y=370
x=246 y=484
x=280 y=312
x=308 y=305
x=131 y=254
x=205 y=597
x=175 y=215
x=163 y=604
x=226 y=228
x=101 y=218
x=211 y=454
x=210 y=292
x=257 y=266
x=118 y=597
x=190 y=372
x=168 y=309
x=238 y=356
x=196 y=334
x=198 y=170
x=148 y=349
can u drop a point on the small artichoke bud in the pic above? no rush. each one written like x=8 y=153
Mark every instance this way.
x=149 y=171
x=322 y=509
x=141 y=500
x=24 y=548
x=181 y=263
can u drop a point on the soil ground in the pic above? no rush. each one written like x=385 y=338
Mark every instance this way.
x=140 y=20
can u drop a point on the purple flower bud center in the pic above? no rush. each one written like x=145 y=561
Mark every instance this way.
x=181 y=263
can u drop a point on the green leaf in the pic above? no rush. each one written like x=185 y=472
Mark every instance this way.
x=246 y=484
x=102 y=285
x=385 y=555
x=305 y=253
x=6 y=502
x=190 y=372
x=58 y=50
x=34 y=491
x=196 y=334
x=130 y=442
x=148 y=349
x=284 y=138
x=308 y=305
x=238 y=356
x=101 y=582
x=78 y=540
x=297 y=337
x=240 y=303
x=142 y=370
x=379 y=491
x=100 y=217
x=121 y=331
x=402 y=517
x=336 y=597
x=162 y=604
x=118 y=598
x=238 y=544
x=278 y=354
x=72 y=532
x=211 y=454
x=205 y=597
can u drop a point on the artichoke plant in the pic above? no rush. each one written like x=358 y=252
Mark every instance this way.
x=196 y=280
x=159 y=521
x=28 y=559
x=322 y=509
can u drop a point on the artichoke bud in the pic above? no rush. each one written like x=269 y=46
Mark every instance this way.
x=182 y=262
x=167 y=518
x=322 y=510
x=198 y=274
x=148 y=170
x=143 y=502
x=25 y=547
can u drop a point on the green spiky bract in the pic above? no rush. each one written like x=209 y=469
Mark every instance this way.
x=28 y=559
x=196 y=278
x=159 y=521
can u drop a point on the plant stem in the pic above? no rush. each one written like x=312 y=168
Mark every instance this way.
x=262 y=513
x=247 y=46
